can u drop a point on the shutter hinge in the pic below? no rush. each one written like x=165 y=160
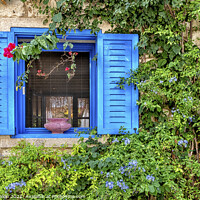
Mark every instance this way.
x=23 y=90
x=134 y=86
x=135 y=129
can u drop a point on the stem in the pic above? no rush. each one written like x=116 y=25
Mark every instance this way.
x=191 y=29
x=62 y=62
x=192 y=148
x=196 y=145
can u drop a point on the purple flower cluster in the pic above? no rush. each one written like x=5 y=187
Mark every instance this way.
x=13 y=186
x=173 y=79
x=110 y=185
x=115 y=140
x=122 y=185
x=131 y=164
x=189 y=98
x=150 y=177
x=108 y=174
x=126 y=141
x=154 y=91
x=143 y=82
x=183 y=143
x=9 y=162
x=64 y=162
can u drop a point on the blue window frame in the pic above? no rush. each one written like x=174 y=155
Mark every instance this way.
x=87 y=46
x=110 y=107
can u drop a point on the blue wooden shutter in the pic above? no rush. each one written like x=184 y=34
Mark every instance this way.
x=6 y=88
x=117 y=54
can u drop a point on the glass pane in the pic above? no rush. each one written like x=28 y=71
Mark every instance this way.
x=83 y=123
x=83 y=107
x=57 y=96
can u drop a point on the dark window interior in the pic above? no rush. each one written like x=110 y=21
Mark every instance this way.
x=57 y=96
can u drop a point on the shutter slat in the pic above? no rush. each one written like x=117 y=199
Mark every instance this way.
x=116 y=107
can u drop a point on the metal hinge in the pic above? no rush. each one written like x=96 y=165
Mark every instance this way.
x=23 y=90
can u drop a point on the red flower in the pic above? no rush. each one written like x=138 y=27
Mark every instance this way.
x=39 y=71
x=67 y=68
x=7 y=50
x=11 y=46
x=9 y=55
x=76 y=53
x=70 y=53
x=43 y=74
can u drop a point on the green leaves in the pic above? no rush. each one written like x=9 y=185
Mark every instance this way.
x=57 y=18
x=162 y=62
x=176 y=49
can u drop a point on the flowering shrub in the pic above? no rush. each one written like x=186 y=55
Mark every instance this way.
x=148 y=166
x=7 y=51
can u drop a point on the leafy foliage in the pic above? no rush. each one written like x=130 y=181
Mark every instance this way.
x=129 y=166
x=168 y=79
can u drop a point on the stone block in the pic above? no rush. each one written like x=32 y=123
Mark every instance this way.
x=13 y=8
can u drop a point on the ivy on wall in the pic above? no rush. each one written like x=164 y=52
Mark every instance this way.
x=168 y=81
x=162 y=161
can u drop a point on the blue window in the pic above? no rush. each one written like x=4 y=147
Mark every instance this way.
x=109 y=106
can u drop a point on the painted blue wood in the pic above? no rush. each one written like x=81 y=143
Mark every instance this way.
x=20 y=98
x=117 y=54
x=6 y=88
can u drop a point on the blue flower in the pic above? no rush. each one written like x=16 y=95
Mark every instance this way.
x=126 y=141
x=122 y=185
x=161 y=81
x=133 y=162
x=183 y=143
x=150 y=177
x=13 y=186
x=101 y=172
x=110 y=184
x=173 y=79
x=143 y=170
x=115 y=140
x=122 y=169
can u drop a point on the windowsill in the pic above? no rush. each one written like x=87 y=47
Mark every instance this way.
x=44 y=133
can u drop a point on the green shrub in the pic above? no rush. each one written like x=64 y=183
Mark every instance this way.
x=128 y=166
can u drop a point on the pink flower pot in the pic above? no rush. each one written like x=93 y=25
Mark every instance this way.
x=57 y=125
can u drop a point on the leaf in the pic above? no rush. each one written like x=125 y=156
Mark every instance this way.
x=45 y=21
x=70 y=45
x=176 y=49
x=59 y=3
x=65 y=45
x=162 y=62
x=43 y=43
x=171 y=55
x=52 y=26
x=57 y=17
x=45 y=2
x=151 y=189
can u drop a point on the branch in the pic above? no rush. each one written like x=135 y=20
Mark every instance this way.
x=191 y=23
x=196 y=145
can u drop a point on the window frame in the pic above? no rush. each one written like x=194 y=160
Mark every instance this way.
x=29 y=33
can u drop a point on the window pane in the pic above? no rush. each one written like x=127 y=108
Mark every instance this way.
x=57 y=96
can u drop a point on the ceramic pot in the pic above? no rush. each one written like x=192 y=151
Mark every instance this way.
x=57 y=125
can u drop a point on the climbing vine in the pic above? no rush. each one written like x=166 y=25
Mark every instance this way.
x=169 y=72
x=168 y=79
